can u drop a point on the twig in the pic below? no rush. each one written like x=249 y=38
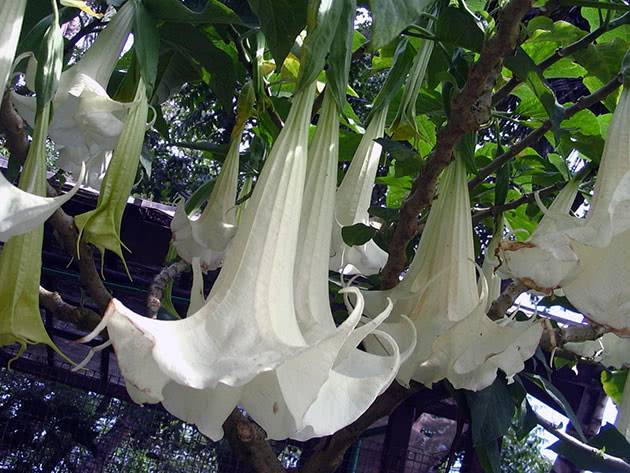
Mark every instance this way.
x=156 y=291
x=524 y=199
x=615 y=463
x=81 y=317
x=562 y=52
x=467 y=114
x=534 y=136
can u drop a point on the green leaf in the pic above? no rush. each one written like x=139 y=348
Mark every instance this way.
x=489 y=456
x=458 y=27
x=503 y=184
x=491 y=412
x=174 y=70
x=557 y=396
x=322 y=21
x=147 y=46
x=465 y=148
x=341 y=53
x=613 y=383
x=393 y=16
x=403 y=59
x=281 y=21
x=176 y=11
x=217 y=62
x=526 y=69
x=357 y=234
x=613 y=441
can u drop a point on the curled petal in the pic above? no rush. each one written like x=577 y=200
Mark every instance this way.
x=21 y=212
x=11 y=16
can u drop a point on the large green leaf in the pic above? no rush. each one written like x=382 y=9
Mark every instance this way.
x=281 y=21
x=393 y=16
x=403 y=58
x=491 y=412
x=357 y=234
x=146 y=44
x=217 y=62
x=341 y=53
x=322 y=26
x=174 y=70
x=175 y=10
x=557 y=396
x=458 y=27
x=526 y=69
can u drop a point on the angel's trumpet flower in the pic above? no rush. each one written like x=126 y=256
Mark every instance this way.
x=248 y=324
x=101 y=226
x=11 y=16
x=596 y=248
x=207 y=236
x=440 y=294
x=609 y=350
x=21 y=260
x=86 y=123
x=332 y=383
x=353 y=200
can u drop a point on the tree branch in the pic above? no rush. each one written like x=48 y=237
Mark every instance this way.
x=467 y=114
x=248 y=440
x=534 y=136
x=615 y=463
x=156 y=291
x=562 y=52
x=81 y=317
x=501 y=305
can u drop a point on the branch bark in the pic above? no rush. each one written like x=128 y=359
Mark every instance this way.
x=81 y=317
x=615 y=463
x=156 y=291
x=467 y=114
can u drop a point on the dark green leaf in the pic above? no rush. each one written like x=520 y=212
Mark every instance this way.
x=357 y=234
x=489 y=456
x=403 y=59
x=465 y=149
x=526 y=69
x=613 y=441
x=175 y=10
x=557 y=396
x=199 y=196
x=491 y=412
x=585 y=460
x=322 y=26
x=147 y=45
x=393 y=16
x=458 y=27
x=281 y=21
x=174 y=70
x=341 y=53
x=217 y=62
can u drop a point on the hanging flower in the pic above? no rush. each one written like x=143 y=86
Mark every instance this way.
x=101 y=226
x=353 y=200
x=86 y=123
x=207 y=236
x=609 y=350
x=20 y=260
x=439 y=293
x=594 y=251
x=248 y=323
x=11 y=16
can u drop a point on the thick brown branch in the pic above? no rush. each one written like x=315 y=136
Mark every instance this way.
x=615 y=463
x=467 y=114
x=247 y=440
x=500 y=306
x=81 y=317
x=156 y=291
x=13 y=127
x=331 y=449
x=539 y=132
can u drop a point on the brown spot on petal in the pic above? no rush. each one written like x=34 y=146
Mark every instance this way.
x=276 y=407
x=516 y=245
x=530 y=283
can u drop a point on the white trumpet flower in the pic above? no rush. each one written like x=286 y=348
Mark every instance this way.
x=11 y=16
x=87 y=122
x=595 y=251
x=248 y=323
x=353 y=200
x=439 y=293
